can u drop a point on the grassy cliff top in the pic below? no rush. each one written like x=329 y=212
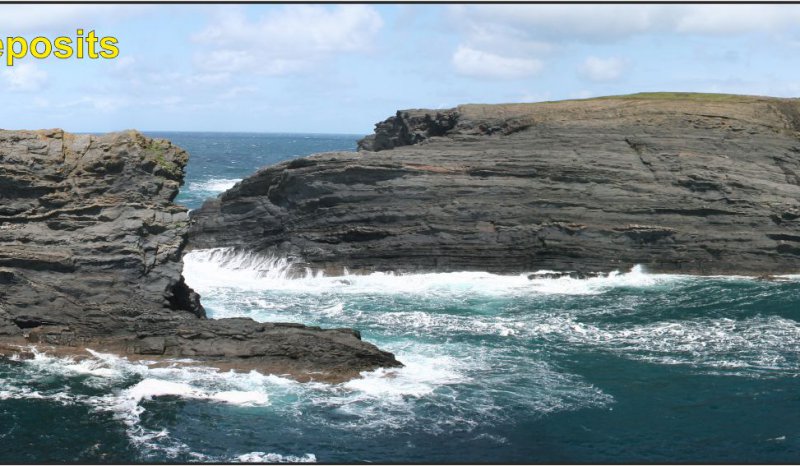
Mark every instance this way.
x=768 y=111
x=690 y=96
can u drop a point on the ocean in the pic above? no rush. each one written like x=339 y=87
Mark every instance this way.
x=631 y=367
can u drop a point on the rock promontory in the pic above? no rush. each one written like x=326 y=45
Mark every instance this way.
x=90 y=257
x=678 y=182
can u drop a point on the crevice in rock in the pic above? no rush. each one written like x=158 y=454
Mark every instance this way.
x=182 y=298
x=26 y=322
x=639 y=147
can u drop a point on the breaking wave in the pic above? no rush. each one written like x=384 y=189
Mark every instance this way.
x=261 y=457
x=211 y=269
x=212 y=185
x=557 y=312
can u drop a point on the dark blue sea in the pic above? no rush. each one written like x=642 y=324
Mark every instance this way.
x=632 y=367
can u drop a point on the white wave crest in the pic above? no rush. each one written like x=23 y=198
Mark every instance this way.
x=213 y=185
x=261 y=457
x=124 y=401
x=148 y=389
x=420 y=376
x=212 y=269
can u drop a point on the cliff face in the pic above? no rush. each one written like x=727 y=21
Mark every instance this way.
x=90 y=256
x=82 y=227
x=687 y=183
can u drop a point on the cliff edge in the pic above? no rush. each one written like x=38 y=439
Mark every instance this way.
x=90 y=257
x=678 y=182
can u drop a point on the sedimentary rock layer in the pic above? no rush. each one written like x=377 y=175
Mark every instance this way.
x=90 y=257
x=690 y=183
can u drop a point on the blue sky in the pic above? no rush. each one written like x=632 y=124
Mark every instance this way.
x=341 y=68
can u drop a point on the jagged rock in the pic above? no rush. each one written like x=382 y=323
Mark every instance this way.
x=90 y=257
x=409 y=127
x=688 y=183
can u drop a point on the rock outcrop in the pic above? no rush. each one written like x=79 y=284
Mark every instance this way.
x=688 y=183
x=90 y=257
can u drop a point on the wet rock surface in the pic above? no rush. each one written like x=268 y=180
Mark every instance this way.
x=687 y=183
x=90 y=257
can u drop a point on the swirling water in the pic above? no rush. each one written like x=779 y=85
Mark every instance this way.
x=631 y=367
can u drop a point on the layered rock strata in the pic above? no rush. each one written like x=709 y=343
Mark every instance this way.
x=90 y=257
x=688 y=183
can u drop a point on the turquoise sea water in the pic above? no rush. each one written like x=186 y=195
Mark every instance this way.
x=628 y=368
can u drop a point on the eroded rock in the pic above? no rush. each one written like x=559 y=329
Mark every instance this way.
x=90 y=257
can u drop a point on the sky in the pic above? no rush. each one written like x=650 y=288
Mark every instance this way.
x=342 y=68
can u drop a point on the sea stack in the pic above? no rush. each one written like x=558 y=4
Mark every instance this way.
x=677 y=182
x=90 y=258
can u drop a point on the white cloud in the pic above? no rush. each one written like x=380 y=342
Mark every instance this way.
x=737 y=19
x=38 y=19
x=590 y=23
x=602 y=69
x=558 y=22
x=291 y=40
x=25 y=77
x=480 y=64
x=535 y=31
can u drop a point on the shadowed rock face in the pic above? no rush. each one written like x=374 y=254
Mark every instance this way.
x=90 y=256
x=678 y=182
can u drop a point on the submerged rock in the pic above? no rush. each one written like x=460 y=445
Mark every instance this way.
x=556 y=275
x=90 y=257
x=686 y=183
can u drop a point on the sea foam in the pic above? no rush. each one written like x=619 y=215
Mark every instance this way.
x=213 y=185
x=261 y=457
x=212 y=269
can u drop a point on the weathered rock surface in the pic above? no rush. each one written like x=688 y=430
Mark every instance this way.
x=90 y=257
x=689 y=183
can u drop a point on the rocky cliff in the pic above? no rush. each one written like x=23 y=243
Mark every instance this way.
x=690 y=183
x=90 y=257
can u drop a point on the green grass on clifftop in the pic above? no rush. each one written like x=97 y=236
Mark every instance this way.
x=694 y=96
x=700 y=97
